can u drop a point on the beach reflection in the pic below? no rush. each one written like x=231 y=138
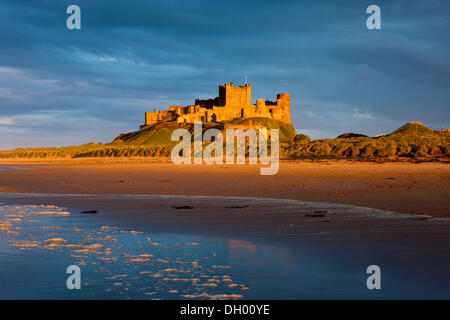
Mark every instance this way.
x=122 y=258
x=40 y=241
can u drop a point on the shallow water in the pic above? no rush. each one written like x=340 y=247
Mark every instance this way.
x=9 y=168
x=124 y=257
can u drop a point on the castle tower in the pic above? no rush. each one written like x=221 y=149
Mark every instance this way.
x=260 y=106
x=151 y=117
x=231 y=96
x=284 y=102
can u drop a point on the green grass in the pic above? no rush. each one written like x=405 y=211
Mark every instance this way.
x=413 y=127
x=413 y=141
x=409 y=145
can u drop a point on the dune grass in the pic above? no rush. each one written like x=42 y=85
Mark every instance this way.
x=412 y=140
x=409 y=145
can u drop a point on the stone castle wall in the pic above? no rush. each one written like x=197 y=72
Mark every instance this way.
x=232 y=103
x=442 y=131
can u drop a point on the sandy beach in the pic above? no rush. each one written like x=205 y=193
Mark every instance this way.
x=403 y=187
x=224 y=232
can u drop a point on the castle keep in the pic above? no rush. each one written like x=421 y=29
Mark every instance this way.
x=232 y=103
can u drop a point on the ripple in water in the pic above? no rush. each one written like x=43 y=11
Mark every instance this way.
x=39 y=242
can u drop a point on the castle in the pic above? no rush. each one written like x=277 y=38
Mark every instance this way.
x=442 y=131
x=232 y=103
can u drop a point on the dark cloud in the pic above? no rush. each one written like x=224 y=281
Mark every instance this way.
x=130 y=57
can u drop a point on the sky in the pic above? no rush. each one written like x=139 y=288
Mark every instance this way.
x=69 y=87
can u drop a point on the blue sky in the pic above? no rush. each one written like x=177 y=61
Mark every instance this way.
x=61 y=87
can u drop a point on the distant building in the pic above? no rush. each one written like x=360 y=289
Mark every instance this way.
x=232 y=103
x=443 y=130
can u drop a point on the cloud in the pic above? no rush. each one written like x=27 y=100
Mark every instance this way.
x=328 y=119
x=7 y=121
x=129 y=58
x=55 y=129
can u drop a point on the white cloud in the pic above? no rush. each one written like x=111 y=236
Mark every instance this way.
x=10 y=94
x=8 y=73
x=7 y=121
x=55 y=128
x=316 y=133
x=23 y=120
x=15 y=80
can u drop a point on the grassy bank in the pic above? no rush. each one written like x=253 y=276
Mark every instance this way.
x=396 y=145
x=413 y=140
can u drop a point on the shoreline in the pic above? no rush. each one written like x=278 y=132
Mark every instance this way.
x=284 y=223
x=404 y=187
x=317 y=244
x=151 y=159
x=144 y=241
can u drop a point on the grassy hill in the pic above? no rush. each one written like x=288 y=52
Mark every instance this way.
x=349 y=135
x=413 y=128
x=413 y=140
x=61 y=152
x=159 y=133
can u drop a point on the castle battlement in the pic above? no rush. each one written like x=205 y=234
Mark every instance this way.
x=442 y=131
x=232 y=103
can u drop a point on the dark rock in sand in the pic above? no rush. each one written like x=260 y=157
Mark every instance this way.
x=237 y=207
x=317 y=215
x=89 y=212
x=183 y=207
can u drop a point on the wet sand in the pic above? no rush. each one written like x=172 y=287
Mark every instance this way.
x=403 y=187
x=271 y=248
x=277 y=248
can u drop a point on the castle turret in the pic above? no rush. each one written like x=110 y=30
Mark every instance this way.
x=151 y=117
x=261 y=106
x=284 y=102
